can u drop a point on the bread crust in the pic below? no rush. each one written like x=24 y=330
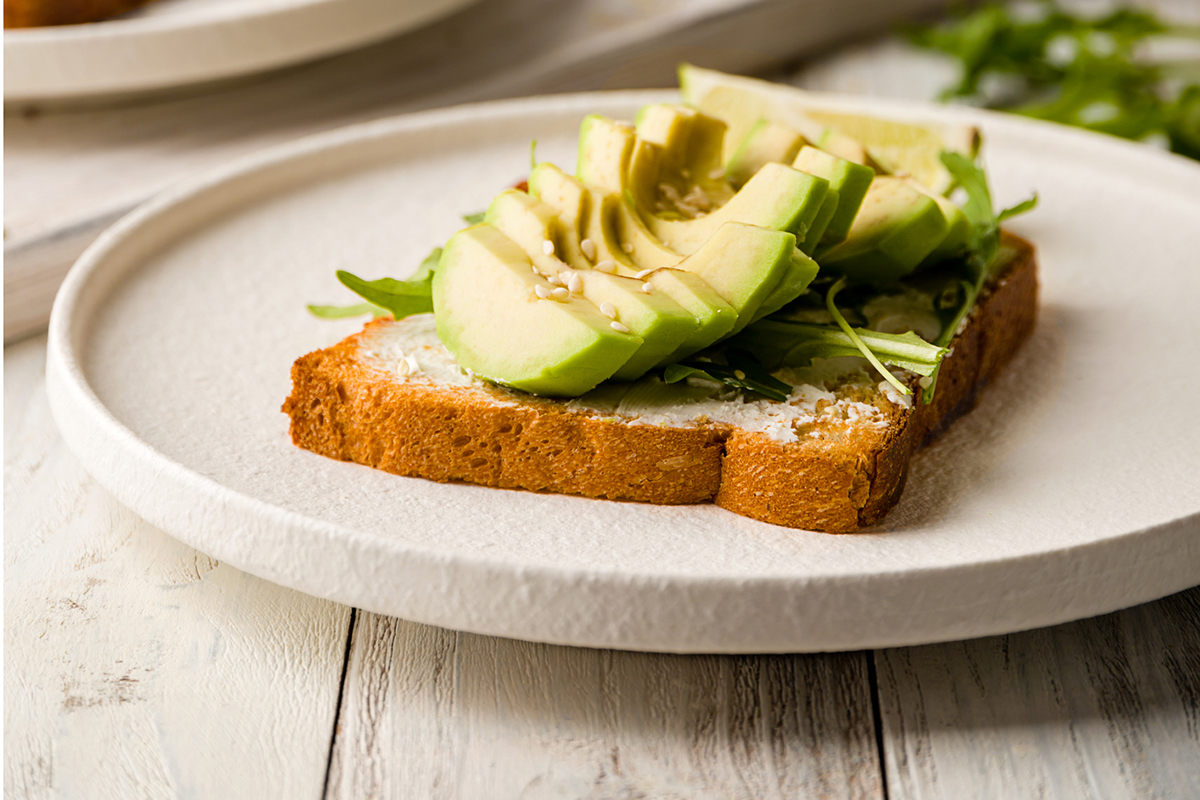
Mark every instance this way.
x=836 y=480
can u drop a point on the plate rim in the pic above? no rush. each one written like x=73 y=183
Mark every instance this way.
x=34 y=58
x=73 y=401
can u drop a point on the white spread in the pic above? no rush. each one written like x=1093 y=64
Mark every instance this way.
x=395 y=347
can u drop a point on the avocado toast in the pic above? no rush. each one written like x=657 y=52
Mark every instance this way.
x=673 y=324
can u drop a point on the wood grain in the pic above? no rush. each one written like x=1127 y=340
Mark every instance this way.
x=432 y=713
x=136 y=666
x=1107 y=707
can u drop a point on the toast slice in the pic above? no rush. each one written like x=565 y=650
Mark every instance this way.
x=833 y=458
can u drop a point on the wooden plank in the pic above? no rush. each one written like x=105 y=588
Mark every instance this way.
x=134 y=665
x=1102 y=708
x=432 y=713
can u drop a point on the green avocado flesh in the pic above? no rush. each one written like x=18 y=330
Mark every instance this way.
x=777 y=197
x=489 y=316
x=851 y=181
x=529 y=223
x=569 y=199
x=766 y=142
x=714 y=316
x=796 y=278
x=895 y=230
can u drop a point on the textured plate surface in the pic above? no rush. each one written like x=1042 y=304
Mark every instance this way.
x=176 y=42
x=1070 y=491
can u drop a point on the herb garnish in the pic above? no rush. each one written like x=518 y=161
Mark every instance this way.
x=474 y=219
x=985 y=232
x=387 y=295
x=1062 y=67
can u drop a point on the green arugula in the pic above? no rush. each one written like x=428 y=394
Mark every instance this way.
x=748 y=376
x=985 y=232
x=474 y=219
x=387 y=295
x=1085 y=71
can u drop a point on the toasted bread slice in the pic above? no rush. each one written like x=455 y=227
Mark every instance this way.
x=833 y=458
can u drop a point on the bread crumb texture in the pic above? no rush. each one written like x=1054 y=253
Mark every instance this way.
x=833 y=458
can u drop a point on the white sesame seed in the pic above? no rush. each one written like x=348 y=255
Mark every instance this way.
x=647 y=287
x=589 y=249
x=548 y=247
x=685 y=173
x=717 y=174
x=535 y=270
x=607 y=266
x=643 y=274
x=541 y=291
x=627 y=247
x=618 y=327
x=402 y=367
x=554 y=280
x=741 y=376
x=412 y=365
x=575 y=284
x=925 y=383
x=608 y=310
x=560 y=293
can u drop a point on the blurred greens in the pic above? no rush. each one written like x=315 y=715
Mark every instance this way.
x=1039 y=60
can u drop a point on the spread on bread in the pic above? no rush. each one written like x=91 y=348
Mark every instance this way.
x=744 y=299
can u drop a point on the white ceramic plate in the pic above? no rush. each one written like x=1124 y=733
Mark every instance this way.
x=1070 y=491
x=176 y=42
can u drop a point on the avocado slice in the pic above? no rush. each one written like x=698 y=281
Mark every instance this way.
x=714 y=316
x=691 y=143
x=958 y=233
x=662 y=324
x=569 y=199
x=851 y=181
x=743 y=263
x=490 y=317
x=777 y=197
x=530 y=223
x=795 y=280
x=605 y=147
x=894 y=231
x=766 y=142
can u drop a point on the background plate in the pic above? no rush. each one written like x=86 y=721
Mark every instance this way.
x=176 y=42
x=1070 y=491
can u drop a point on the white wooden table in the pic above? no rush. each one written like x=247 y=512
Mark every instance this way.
x=136 y=667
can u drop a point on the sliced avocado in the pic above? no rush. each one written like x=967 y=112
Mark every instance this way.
x=896 y=228
x=642 y=247
x=958 y=233
x=529 y=223
x=850 y=180
x=605 y=147
x=766 y=142
x=777 y=197
x=569 y=199
x=795 y=280
x=820 y=224
x=662 y=323
x=743 y=263
x=715 y=316
x=692 y=144
x=491 y=319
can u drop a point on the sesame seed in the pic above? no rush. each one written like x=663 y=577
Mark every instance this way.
x=412 y=365
x=560 y=293
x=535 y=270
x=741 y=376
x=627 y=247
x=685 y=173
x=607 y=266
x=589 y=249
x=548 y=247
x=541 y=291
x=608 y=310
x=925 y=383
x=717 y=174
x=643 y=274
x=647 y=287
x=554 y=280
x=618 y=327
x=575 y=284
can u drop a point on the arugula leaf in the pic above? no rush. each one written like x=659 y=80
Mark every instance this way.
x=856 y=340
x=796 y=344
x=474 y=219
x=749 y=377
x=533 y=155
x=341 y=312
x=1092 y=72
x=985 y=232
x=389 y=296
